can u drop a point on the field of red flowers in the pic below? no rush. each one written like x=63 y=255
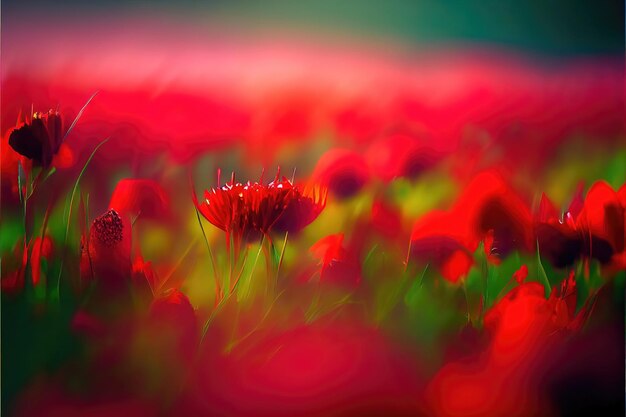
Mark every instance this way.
x=296 y=232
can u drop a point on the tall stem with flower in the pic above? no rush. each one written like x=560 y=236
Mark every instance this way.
x=249 y=213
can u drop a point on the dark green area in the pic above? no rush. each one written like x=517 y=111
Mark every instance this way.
x=556 y=28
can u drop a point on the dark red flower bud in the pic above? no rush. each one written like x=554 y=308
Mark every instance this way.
x=40 y=139
x=110 y=249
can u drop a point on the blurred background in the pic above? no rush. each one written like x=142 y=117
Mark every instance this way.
x=404 y=110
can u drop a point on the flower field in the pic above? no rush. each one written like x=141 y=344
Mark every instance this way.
x=238 y=228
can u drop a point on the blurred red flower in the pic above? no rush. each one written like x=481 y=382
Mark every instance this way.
x=400 y=155
x=590 y=228
x=488 y=210
x=525 y=330
x=496 y=214
x=438 y=239
x=40 y=139
x=140 y=197
x=344 y=172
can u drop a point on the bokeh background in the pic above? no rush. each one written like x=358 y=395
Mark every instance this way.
x=403 y=110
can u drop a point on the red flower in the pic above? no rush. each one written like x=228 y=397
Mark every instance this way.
x=603 y=216
x=39 y=140
x=496 y=212
x=488 y=210
x=438 y=239
x=508 y=376
x=400 y=155
x=593 y=228
x=140 y=197
x=344 y=172
x=303 y=206
x=252 y=209
x=109 y=251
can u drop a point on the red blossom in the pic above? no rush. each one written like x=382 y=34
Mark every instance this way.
x=303 y=206
x=591 y=228
x=399 y=155
x=493 y=209
x=140 y=197
x=344 y=172
x=40 y=139
x=488 y=210
x=523 y=329
x=250 y=210
x=438 y=239
x=109 y=250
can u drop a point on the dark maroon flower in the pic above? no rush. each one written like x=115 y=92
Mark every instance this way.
x=40 y=139
x=591 y=229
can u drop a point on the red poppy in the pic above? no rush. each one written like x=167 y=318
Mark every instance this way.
x=344 y=172
x=400 y=155
x=140 y=197
x=523 y=328
x=558 y=240
x=495 y=212
x=602 y=216
x=488 y=210
x=438 y=239
x=591 y=228
x=40 y=139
